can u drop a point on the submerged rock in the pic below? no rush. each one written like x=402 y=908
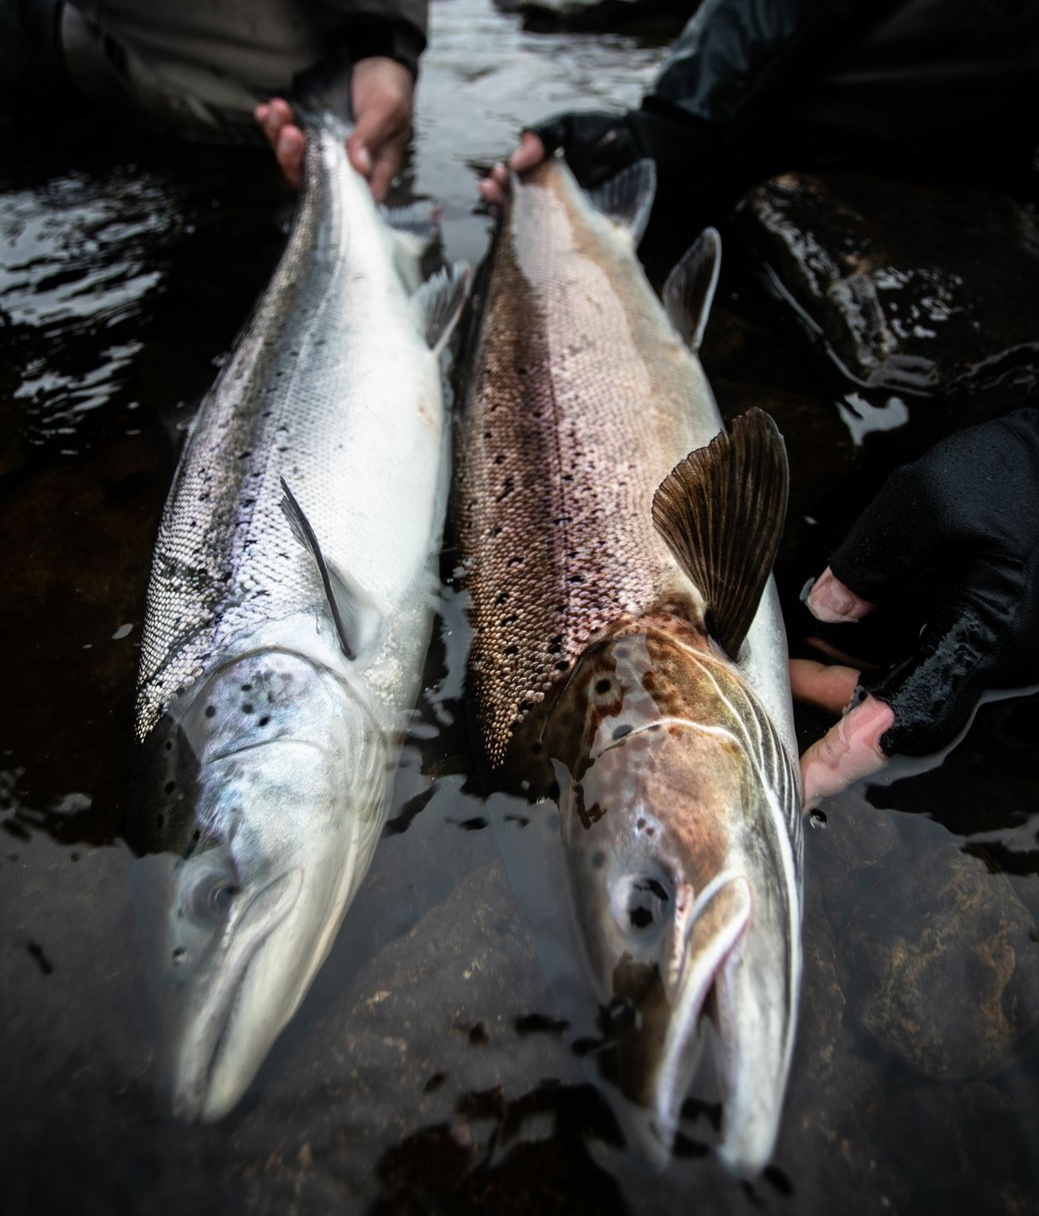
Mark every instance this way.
x=947 y=966
x=912 y=288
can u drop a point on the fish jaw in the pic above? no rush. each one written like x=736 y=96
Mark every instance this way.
x=269 y=831
x=686 y=887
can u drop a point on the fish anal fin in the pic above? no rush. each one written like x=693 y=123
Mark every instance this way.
x=627 y=198
x=689 y=290
x=439 y=302
x=721 y=511
x=355 y=617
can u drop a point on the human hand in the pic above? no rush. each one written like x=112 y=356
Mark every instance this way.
x=597 y=146
x=382 y=93
x=966 y=517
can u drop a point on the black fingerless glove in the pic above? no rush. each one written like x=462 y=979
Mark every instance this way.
x=598 y=145
x=966 y=514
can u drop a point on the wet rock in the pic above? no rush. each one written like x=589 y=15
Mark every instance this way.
x=948 y=964
x=911 y=288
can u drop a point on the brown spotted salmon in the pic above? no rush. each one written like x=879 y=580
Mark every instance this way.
x=629 y=657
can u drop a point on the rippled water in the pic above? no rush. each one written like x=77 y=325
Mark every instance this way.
x=429 y=1069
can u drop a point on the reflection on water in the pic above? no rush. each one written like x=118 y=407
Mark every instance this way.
x=433 y=1066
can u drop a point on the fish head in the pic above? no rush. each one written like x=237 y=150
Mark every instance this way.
x=685 y=883
x=272 y=782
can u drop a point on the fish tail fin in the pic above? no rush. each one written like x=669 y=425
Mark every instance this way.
x=689 y=290
x=721 y=511
x=439 y=302
x=415 y=227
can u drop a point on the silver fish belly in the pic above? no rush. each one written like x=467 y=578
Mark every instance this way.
x=629 y=658
x=289 y=611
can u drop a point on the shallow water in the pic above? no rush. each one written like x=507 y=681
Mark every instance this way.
x=429 y=1069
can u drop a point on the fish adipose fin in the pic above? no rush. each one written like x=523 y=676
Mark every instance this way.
x=721 y=511
x=627 y=199
x=354 y=615
x=689 y=290
x=439 y=303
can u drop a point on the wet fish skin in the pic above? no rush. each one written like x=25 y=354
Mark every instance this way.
x=289 y=611
x=594 y=672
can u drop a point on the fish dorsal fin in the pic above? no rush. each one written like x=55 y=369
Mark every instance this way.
x=627 y=199
x=689 y=290
x=439 y=303
x=721 y=511
x=355 y=617
x=414 y=228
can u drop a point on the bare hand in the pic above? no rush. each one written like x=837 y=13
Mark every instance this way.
x=382 y=93
x=530 y=152
x=849 y=751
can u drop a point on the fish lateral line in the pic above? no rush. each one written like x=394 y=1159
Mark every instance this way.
x=721 y=511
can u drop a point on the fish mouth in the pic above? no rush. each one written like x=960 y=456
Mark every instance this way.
x=656 y=1063
x=219 y=1038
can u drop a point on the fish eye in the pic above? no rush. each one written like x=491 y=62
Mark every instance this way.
x=221 y=896
x=214 y=899
x=640 y=903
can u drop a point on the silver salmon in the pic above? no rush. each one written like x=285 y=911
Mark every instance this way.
x=629 y=657
x=289 y=611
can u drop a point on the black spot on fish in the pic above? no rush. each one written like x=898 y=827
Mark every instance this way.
x=169 y=787
x=247 y=707
x=210 y=713
x=620 y=731
x=265 y=719
x=602 y=687
x=42 y=961
x=478 y=1036
x=598 y=859
x=247 y=688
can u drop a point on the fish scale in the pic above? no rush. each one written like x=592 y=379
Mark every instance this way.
x=589 y=411
x=333 y=417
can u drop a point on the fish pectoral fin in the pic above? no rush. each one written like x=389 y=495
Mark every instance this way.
x=721 y=511
x=439 y=302
x=354 y=614
x=627 y=199
x=689 y=290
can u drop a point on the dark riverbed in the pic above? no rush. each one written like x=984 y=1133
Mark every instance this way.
x=429 y=1069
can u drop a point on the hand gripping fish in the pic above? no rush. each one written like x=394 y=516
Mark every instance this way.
x=289 y=611
x=629 y=657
